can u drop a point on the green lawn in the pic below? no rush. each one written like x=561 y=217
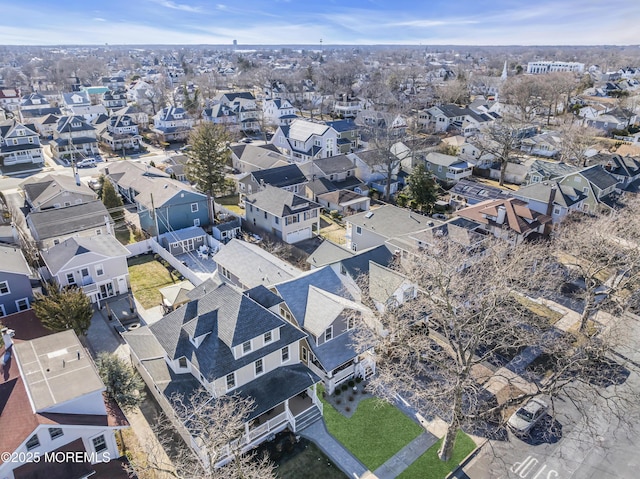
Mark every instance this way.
x=147 y=276
x=428 y=465
x=231 y=203
x=374 y=433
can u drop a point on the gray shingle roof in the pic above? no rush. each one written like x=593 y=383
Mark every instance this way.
x=261 y=295
x=336 y=352
x=61 y=221
x=598 y=176
x=280 y=202
x=233 y=319
x=40 y=190
x=254 y=266
x=389 y=221
x=104 y=245
x=383 y=282
x=280 y=176
x=334 y=164
x=274 y=387
x=296 y=291
x=328 y=253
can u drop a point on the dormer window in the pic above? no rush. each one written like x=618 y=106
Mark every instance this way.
x=328 y=333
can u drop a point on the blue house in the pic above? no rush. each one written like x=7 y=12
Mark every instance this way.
x=15 y=281
x=164 y=204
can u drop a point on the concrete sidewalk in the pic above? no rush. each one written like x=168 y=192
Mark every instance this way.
x=317 y=432
x=406 y=456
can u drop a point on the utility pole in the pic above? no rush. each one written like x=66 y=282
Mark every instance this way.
x=155 y=218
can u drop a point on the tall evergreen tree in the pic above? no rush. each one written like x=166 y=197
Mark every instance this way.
x=208 y=157
x=64 y=308
x=112 y=201
x=423 y=187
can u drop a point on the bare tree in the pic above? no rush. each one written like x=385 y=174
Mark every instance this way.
x=602 y=259
x=576 y=140
x=501 y=139
x=381 y=140
x=525 y=94
x=215 y=426
x=473 y=308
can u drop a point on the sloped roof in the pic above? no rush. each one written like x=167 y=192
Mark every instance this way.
x=518 y=216
x=280 y=176
x=40 y=190
x=328 y=253
x=231 y=318
x=389 y=221
x=295 y=291
x=254 y=266
x=60 y=254
x=323 y=308
x=61 y=221
x=302 y=130
x=280 y=202
x=599 y=177
x=334 y=164
x=565 y=196
x=383 y=282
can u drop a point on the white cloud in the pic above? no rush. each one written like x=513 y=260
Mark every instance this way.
x=179 y=6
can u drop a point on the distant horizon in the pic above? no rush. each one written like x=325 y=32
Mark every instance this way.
x=312 y=46
x=496 y=23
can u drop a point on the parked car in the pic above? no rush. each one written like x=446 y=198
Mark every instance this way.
x=526 y=417
x=86 y=163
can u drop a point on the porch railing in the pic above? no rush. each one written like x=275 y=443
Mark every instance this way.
x=316 y=401
x=265 y=428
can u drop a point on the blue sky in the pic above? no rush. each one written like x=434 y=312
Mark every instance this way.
x=426 y=22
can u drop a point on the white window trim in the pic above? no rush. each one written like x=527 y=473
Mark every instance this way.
x=106 y=445
x=255 y=367
x=226 y=382
x=26 y=300
x=6 y=283
x=330 y=328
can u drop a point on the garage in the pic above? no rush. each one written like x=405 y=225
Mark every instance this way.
x=299 y=235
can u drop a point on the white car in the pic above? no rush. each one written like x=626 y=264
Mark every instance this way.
x=86 y=163
x=523 y=420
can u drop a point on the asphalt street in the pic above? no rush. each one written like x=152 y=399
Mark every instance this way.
x=570 y=444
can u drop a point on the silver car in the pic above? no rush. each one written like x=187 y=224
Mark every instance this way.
x=523 y=420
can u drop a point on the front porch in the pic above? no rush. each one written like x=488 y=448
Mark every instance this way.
x=284 y=398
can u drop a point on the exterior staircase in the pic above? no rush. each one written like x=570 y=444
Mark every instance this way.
x=307 y=418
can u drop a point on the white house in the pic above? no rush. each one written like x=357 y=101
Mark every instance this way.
x=97 y=264
x=282 y=213
x=278 y=112
x=54 y=402
x=304 y=140
x=172 y=124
